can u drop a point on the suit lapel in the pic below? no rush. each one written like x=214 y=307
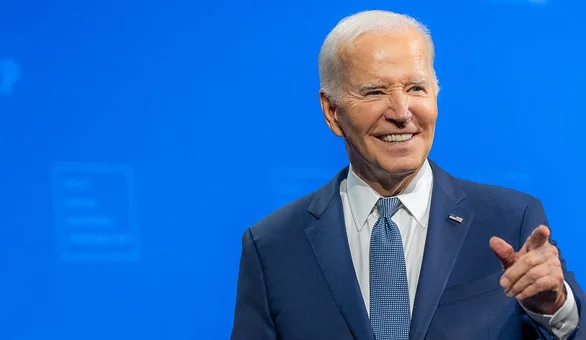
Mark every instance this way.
x=445 y=237
x=329 y=243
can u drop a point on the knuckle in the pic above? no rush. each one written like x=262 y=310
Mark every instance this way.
x=551 y=283
x=541 y=285
x=555 y=263
x=533 y=274
x=554 y=283
x=555 y=251
x=530 y=261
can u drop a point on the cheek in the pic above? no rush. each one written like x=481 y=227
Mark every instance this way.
x=360 y=119
x=426 y=113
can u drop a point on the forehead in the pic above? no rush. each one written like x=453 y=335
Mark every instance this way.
x=387 y=56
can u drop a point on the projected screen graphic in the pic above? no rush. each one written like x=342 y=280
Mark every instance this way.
x=95 y=213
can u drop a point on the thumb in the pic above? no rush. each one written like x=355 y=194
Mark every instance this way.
x=538 y=237
x=503 y=251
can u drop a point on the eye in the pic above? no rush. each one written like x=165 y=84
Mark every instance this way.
x=374 y=93
x=417 y=88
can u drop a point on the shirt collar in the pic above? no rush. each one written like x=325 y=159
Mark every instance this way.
x=416 y=196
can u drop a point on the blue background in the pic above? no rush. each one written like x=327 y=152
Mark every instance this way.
x=127 y=126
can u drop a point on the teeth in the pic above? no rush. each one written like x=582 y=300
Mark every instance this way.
x=397 y=138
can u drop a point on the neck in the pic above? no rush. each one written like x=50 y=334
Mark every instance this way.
x=385 y=183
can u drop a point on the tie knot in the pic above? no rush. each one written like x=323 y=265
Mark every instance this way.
x=388 y=206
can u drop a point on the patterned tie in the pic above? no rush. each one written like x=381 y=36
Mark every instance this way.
x=389 y=293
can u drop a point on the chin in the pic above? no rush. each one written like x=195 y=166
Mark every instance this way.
x=402 y=165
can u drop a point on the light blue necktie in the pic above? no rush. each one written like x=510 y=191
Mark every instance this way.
x=390 y=315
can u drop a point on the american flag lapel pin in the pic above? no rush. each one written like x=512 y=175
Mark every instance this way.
x=456 y=218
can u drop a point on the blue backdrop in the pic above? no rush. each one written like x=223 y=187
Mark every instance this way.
x=127 y=125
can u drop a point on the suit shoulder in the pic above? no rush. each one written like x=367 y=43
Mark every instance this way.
x=284 y=219
x=287 y=223
x=495 y=193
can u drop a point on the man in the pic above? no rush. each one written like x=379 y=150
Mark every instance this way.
x=394 y=247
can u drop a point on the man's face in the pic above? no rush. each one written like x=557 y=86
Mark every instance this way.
x=386 y=108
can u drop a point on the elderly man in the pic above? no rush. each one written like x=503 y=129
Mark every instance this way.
x=394 y=247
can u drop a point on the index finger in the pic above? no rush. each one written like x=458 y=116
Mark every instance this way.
x=538 y=237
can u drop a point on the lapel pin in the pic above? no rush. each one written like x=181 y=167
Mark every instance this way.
x=456 y=218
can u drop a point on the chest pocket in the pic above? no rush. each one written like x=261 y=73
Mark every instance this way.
x=471 y=289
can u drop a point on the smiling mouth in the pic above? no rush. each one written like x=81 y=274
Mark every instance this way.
x=394 y=138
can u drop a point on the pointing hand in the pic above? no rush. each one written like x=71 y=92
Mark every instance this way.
x=533 y=274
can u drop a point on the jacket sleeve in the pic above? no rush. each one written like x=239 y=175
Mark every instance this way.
x=534 y=217
x=252 y=317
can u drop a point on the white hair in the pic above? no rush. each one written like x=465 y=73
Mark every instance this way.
x=349 y=29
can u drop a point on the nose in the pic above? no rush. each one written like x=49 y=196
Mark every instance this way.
x=398 y=108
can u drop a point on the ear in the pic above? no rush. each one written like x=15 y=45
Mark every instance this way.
x=330 y=111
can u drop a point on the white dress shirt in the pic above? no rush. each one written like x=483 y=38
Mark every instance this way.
x=412 y=218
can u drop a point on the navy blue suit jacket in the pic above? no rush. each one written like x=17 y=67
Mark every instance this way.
x=297 y=280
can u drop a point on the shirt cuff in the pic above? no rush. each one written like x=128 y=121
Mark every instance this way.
x=564 y=321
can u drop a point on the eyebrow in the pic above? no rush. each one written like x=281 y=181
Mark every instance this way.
x=370 y=87
x=378 y=86
x=418 y=81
